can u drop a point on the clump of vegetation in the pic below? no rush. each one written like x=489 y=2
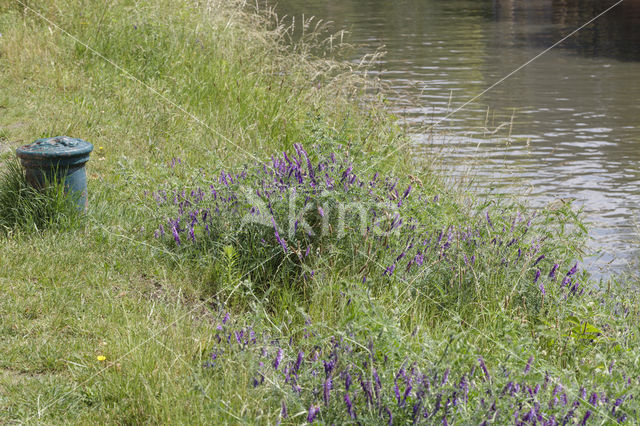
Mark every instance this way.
x=361 y=376
x=299 y=213
x=24 y=208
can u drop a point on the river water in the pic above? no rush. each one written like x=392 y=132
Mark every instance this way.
x=564 y=127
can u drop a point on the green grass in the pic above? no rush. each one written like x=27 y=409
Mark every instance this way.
x=217 y=86
x=25 y=209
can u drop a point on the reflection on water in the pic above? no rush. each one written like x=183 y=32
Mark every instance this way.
x=570 y=120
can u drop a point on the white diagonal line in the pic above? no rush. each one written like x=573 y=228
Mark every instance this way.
x=133 y=77
x=473 y=99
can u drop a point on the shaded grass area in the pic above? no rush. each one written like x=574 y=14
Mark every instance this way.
x=102 y=322
x=26 y=209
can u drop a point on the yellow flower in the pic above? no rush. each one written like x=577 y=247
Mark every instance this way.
x=101 y=357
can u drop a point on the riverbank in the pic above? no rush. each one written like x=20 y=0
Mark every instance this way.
x=179 y=299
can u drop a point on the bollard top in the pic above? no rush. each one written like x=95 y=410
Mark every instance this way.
x=56 y=147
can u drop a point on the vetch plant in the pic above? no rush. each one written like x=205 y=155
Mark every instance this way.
x=300 y=212
x=350 y=377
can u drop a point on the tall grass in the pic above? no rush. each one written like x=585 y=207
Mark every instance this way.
x=27 y=209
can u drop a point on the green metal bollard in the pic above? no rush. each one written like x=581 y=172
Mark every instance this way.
x=62 y=158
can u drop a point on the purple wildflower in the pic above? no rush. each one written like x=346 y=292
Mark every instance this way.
x=539 y=259
x=313 y=412
x=278 y=359
x=389 y=270
x=416 y=411
x=377 y=386
x=489 y=220
x=527 y=368
x=446 y=376
x=296 y=366
x=278 y=238
x=557 y=390
x=406 y=192
x=537 y=277
x=347 y=381
x=176 y=237
x=327 y=390
x=350 y=409
x=407 y=392
x=366 y=388
x=484 y=368
x=386 y=409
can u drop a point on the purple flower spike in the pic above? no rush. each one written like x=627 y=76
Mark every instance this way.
x=296 y=366
x=527 y=368
x=396 y=390
x=278 y=359
x=552 y=274
x=386 y=409
x=377 y=386
x=313 y=412
x=278 y=238
x=320 y=211
x=389 y=270
x=446 y=376
x=484 y=369
x=176 y=237
x=283 y=412
x=407 y=392
x=406 y=192
x=347 y=381
x=349 y=405
x=489 y=220
x=327 y=390
x=537 y=277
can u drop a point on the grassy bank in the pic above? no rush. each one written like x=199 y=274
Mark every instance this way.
x=188 y=293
